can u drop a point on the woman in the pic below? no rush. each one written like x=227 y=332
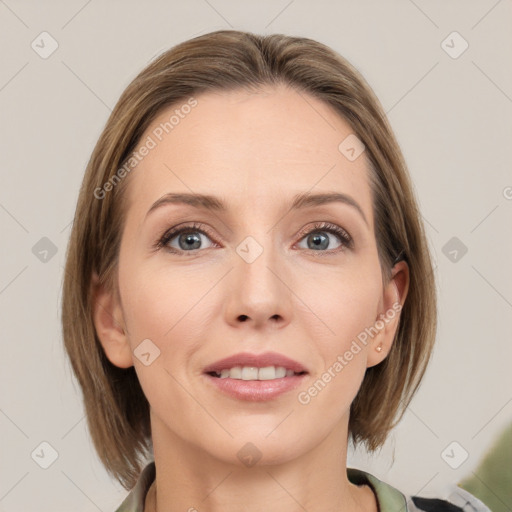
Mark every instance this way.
x=248 y=284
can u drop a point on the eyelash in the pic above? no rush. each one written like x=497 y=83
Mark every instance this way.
x=345 y=238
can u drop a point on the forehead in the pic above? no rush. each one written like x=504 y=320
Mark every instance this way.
x=250 y=148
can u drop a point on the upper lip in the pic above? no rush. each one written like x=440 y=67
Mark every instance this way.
x=255 y=360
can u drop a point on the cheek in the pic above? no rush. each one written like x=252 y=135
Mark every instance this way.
x=173 y=310
x=158 y=302
x=347 y=310
x=345 y=303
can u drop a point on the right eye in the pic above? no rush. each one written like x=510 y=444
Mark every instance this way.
x=186 y=238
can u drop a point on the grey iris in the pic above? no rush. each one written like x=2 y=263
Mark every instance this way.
x=315 y=241
x=191 y=241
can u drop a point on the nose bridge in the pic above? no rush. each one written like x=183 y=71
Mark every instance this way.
x=257 y=258
x=256 y=291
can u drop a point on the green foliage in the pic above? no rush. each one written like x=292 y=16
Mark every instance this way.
x=491 y=482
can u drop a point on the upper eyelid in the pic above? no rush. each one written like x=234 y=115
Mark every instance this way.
x=330 y=227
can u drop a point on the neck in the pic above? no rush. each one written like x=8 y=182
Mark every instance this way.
x=189 y=478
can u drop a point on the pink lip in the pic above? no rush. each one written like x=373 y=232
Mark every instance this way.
x=256 y=360
x=255 y=390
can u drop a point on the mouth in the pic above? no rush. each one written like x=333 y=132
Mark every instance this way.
x=247 y=366
x=255 y=378
x=255 y=373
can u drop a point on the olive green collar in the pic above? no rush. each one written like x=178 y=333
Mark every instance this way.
x=389 y=499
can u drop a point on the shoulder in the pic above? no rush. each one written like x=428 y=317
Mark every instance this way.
x=391 y=499
x=458 y=500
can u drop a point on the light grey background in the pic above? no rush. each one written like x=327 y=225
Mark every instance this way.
x=452 y=117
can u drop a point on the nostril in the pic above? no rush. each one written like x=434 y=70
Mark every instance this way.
x=243 y=318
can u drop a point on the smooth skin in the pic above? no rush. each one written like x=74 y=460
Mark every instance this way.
x=254 y=151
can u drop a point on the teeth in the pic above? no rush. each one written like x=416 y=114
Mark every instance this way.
x=254 y=373
x=236 y=372
x=249 y=373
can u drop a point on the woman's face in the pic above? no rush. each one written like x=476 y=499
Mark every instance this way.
x=254 y=273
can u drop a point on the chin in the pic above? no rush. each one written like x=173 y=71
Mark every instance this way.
x=252 y=447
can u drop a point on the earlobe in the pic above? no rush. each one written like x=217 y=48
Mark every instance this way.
x=109 y=323
x=394 y=295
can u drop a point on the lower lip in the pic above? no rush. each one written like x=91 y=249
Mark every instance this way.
x=256 y=390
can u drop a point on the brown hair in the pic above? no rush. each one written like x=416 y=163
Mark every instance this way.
x=117 y=410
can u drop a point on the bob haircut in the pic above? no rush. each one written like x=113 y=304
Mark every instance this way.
x=116 y=407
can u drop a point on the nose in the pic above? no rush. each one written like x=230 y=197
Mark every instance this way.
x=257 y=292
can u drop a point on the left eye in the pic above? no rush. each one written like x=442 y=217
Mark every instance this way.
x=320 y=240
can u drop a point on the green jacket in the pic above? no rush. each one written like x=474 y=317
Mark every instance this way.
x=388 y=498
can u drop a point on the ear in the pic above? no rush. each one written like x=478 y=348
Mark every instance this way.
x=109 y=322
x=390 y=307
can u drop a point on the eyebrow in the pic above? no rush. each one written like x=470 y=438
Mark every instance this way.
x=209 y=202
